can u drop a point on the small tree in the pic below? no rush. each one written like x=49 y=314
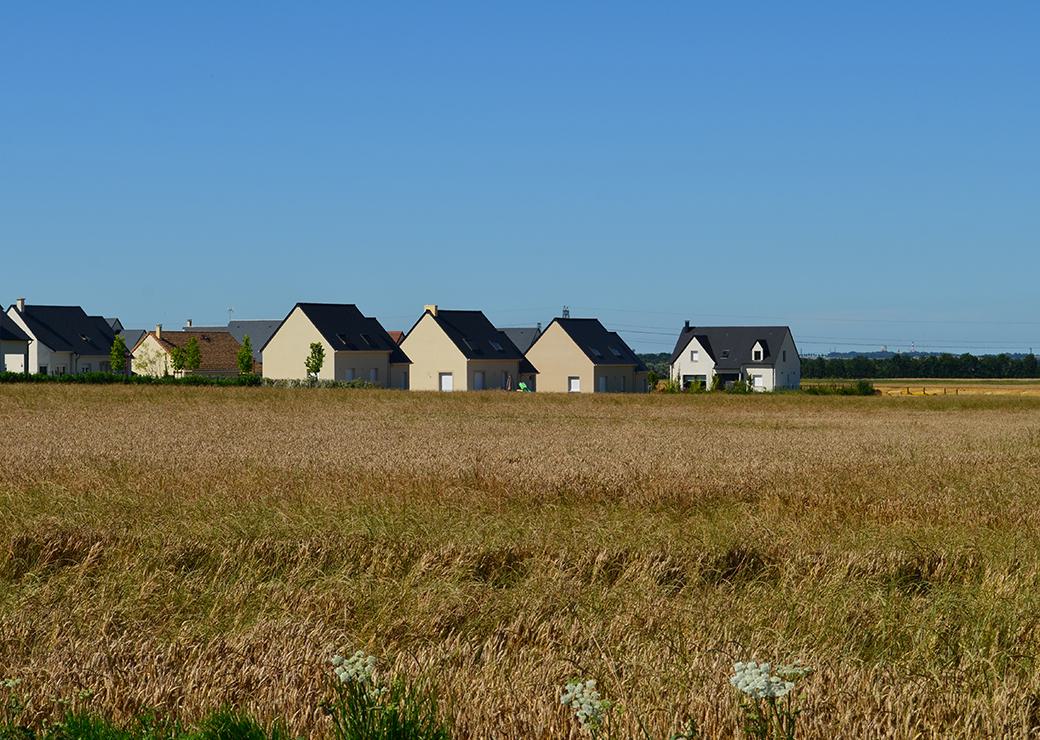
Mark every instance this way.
x=315 y=360
x=178 y=359
x=245 y=356
x=192 y=354
x=117 y=355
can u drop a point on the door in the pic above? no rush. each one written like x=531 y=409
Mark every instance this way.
x=478 y=380
x=602 y=382
x=574 y=384
x=447 y=382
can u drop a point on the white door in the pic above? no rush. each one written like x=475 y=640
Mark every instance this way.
x=447 y=382
x=602 y=383
x=574 y=385
x=478 y=380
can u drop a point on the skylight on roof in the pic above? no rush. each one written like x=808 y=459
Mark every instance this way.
x=595 y=352
x=469 y=346
x=615 y=351
x=496 y=346
x=342 y=338
x=367 y=340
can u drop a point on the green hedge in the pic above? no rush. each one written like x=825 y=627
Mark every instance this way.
x=114 y=378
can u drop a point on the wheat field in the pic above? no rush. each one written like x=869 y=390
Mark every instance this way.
x=182 y=548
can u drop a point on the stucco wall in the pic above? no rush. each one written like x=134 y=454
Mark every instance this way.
x=150 y=358
x=290 y=346
x=494 y=373
x=399 y=372
x=362 y=363
x=432 y=353
x=789 y=370
x=557 y=357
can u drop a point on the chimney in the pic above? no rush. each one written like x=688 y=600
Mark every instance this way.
x=687 y=327
x=539 y=327
x=188 y=325
x=431 y=307
x=158 y=331
x=21 y=305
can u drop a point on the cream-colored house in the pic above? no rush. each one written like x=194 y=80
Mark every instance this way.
x=356 y=346
x=763 y=356
x=581 y=356
x=64 y=340
x=153 y=353
x=461 y=351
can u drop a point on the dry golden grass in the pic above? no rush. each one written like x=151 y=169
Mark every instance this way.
x=182 y=548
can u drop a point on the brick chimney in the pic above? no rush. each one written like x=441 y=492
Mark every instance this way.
x=158 y=331
x=21 y=305
x=431 y=307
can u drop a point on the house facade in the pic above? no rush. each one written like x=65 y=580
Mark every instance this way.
x=581 y=356
x=14 y=347
x=63 y=339
x=765 y=357
x=356 y=346
x=153 y=353
x=461 y=351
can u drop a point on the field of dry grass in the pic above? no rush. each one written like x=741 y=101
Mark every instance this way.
x=182 y=548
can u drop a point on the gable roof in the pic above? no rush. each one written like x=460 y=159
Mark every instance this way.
x=522 y=336
x=68 y=329
x=475 y=336
x=10 y=331
x=397 y=336
x=218 y=350
x=132 y=337
x=599 y=345
x=260 y=332
x=346 y=329
x=730 y=346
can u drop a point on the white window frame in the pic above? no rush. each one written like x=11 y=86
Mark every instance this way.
x=756 y=355
x=695 y=355
x=574 y=384
x=450 y=377
x=758 y=381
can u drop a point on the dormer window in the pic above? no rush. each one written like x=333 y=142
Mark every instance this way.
x=756 y=355
x=725 y=354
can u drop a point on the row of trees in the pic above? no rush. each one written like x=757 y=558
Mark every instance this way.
x=923 y=366
x=186 y=358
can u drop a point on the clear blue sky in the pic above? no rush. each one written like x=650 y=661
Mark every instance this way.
x=867 y=173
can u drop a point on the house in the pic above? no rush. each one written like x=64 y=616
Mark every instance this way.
x=581 y=356
x=153 y=353
x=764 y=356
x=356 y=346
x=63 y=339
x=460 y=351
x=258 y=331
x=14 y=347
x=397 y=336
x=523 y=337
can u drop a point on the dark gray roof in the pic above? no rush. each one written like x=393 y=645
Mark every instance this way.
x=10 y=331
x=132 y=336
x=522 y=336
x=475 y=336
x=114 y=323
x=68 y=329
x=259 y=332
x=346 y=329
x=599 y=345
x=730 y=346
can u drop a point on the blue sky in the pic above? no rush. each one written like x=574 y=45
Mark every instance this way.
x=867 y=173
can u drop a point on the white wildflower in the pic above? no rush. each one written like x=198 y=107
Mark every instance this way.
x=584 y=699
x=758 y=681
x=358 y=668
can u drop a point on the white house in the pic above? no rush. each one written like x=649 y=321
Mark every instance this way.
x=763 y=356
x=64 y=339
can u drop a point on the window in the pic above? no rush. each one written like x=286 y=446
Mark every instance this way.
x=43 y=369
x=756 y=355
x=85 y=368
x=367 y=340
x=342 y=338
x=447 y=382
x=468 y=344
x=350 y=373
x=783 y=355
x=595 y=352
x=695 y=355
x=602 y=383
x=757 y=381
x=496 y=346
x=574 y=384
x=622 y=383
x=725 y=354
x=373 y=375
x=615 y=351
x=478 y=380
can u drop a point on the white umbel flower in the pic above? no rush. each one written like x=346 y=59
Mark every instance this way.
x=758 y=681
x=357 y=668
x=584 y=699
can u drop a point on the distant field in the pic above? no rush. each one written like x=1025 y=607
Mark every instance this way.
x=183 y=548
x=1016 y=387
